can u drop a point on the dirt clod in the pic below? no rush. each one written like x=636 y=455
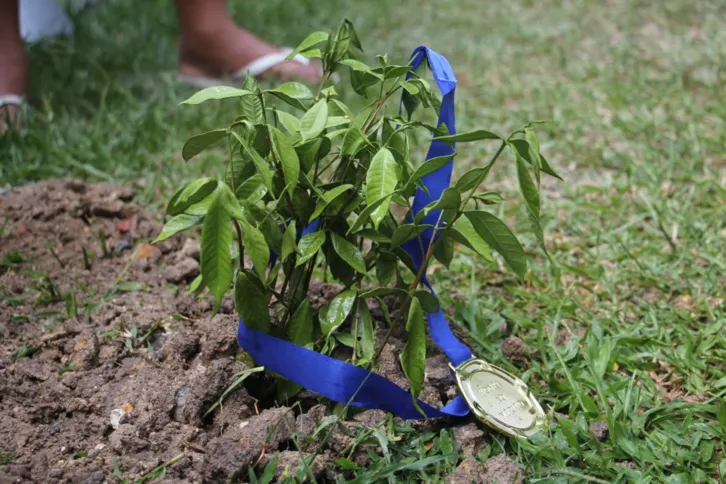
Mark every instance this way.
x=185 y=269
x=502 y=470
x=85 y=350
x=470 y=438
x=599 y=430
x=191 y=248
x=468 y=472
x=514 y=348
x=229 y=455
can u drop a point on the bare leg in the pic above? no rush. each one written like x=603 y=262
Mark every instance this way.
x=13 y=59
x=212 y=45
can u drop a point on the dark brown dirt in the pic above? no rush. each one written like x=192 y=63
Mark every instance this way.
x=105 y=357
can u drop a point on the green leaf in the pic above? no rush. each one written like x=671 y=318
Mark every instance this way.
x=252 y=109
x=288 y=121
x=309 y=246
x=313 y=122
x=477 y=135
x=229 y=201
x=386 y=267
x=309 y=43
x=413 y=358
x=337 y=311
x=192 y=193
x=328 y=197
x=391 y=72
x=527 y=187
x=216 y=92
x=381 y=182
x=533 y=143
x=293 y=93
x=196 y=284
x=215 y=259
x=500 y=238
x=352 y=141
x=463 y=231
x=531 y=198
x=349 y=253
x=360 y=67
x=722 y=416
x=254 y=243
x=300 y=328
x=383 y=291
x=252 y=190
x=198 y=143
x=444 y=250
x=289 y=238
x=450 y=200
x=600 y=363
x=472 y=179
x=428 y=301
x=489 y=197
x=334 y=121
x=406 y=232
x=346 y=464
x=409 y=87
x=251 y=303
x=178 y=224
x=263 y=168
x=373 y=235
x=428 y=167
x=366 y=333
x=524 y=151
x=366 y=214
x=346 y=339
x=282 y=146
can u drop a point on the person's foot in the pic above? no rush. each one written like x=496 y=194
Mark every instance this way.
x=228 y=48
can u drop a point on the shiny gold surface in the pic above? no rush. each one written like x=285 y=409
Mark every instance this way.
x=499 y=399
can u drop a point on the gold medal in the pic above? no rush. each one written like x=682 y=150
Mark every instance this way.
x=499 y=399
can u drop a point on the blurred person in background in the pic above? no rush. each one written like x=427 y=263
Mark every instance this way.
x=213 y=50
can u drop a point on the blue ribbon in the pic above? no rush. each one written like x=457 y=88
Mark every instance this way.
x=346 y=383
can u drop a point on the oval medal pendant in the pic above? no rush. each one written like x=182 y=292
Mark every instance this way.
x=499 y=399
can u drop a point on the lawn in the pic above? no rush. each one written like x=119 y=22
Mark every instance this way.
x=624 y=326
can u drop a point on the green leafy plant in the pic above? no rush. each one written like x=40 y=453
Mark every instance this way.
x=298 y=158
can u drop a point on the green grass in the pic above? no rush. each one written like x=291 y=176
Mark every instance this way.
x=637 y=98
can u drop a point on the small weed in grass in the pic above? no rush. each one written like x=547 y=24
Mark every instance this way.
x=25 y=352
x=11 y=260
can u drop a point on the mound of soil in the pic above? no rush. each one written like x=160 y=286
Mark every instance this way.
x=108 y=366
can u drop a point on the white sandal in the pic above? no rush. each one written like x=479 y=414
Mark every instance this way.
x=10 y=100
x=254 y=68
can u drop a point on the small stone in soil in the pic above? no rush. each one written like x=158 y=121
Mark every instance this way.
x=122 y=245
x=118 y=416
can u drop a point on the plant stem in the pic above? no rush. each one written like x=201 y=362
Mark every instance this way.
x=240 y=245
x=326 y=76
